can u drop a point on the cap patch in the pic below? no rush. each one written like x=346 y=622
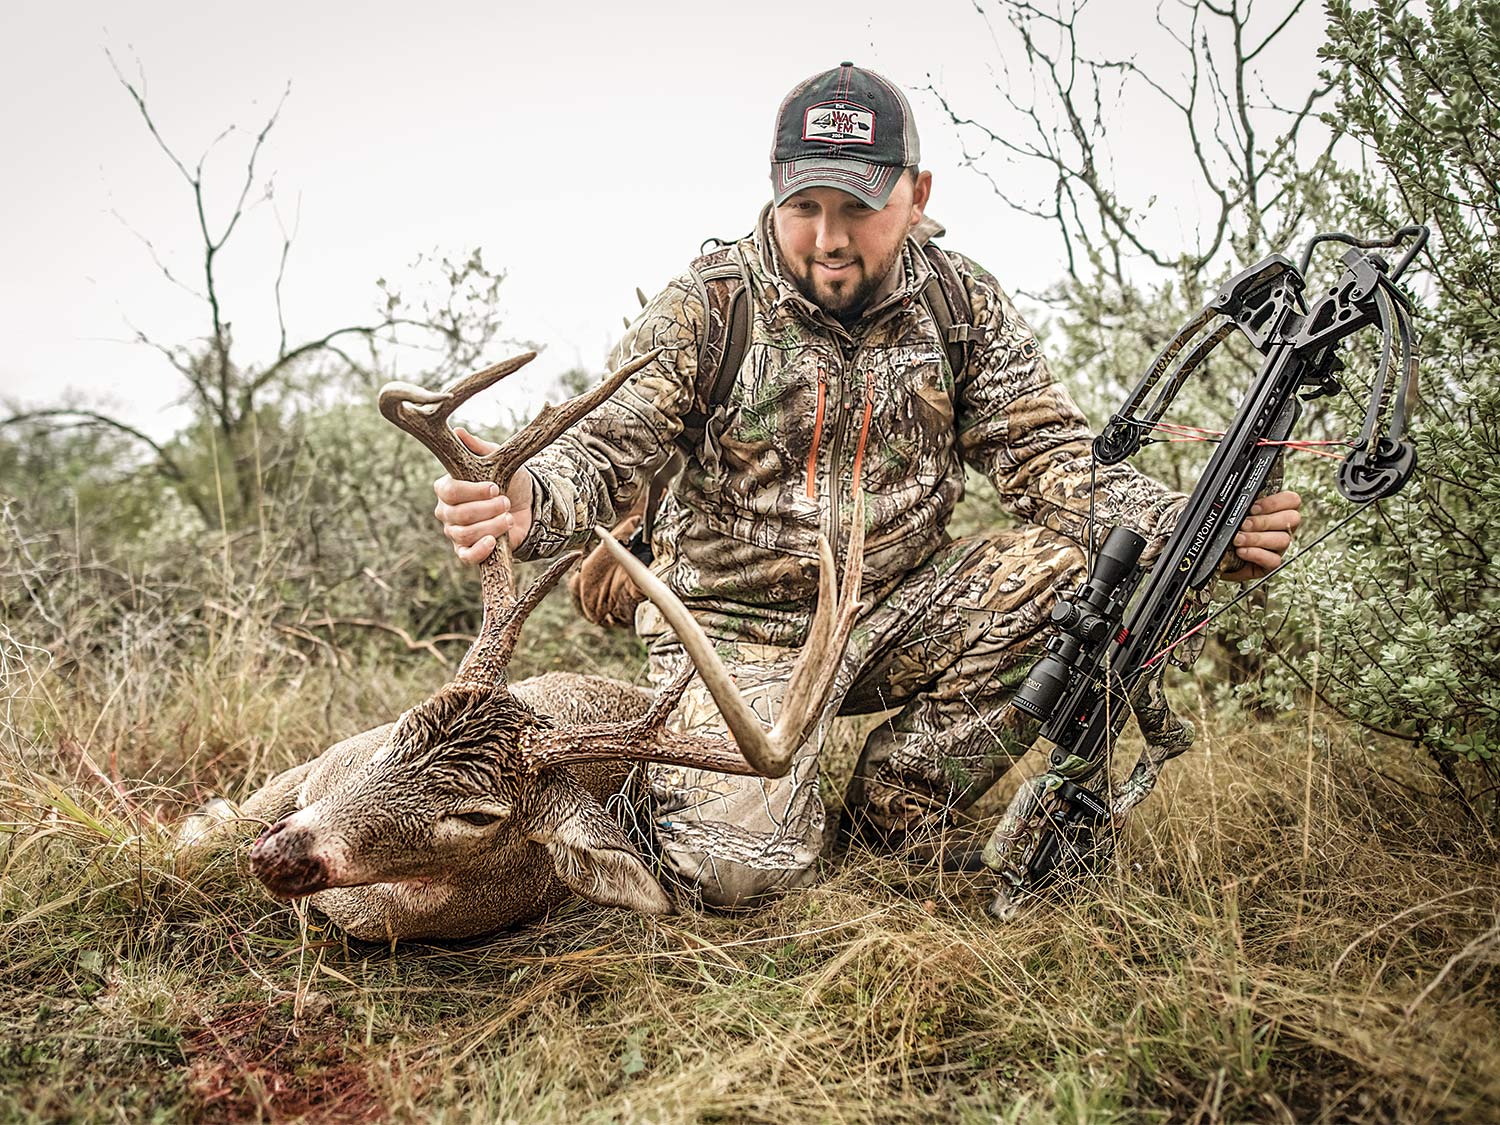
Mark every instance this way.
x=839 y=123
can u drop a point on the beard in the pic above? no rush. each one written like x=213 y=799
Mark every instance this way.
x=844 y=300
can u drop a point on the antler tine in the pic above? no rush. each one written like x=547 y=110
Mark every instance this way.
x=547 y=426
x=510 y=632
x=424 y=414
x=768 y=753
x=641 y=739
x=818 y=665
x=635 y=741
x=665 y=701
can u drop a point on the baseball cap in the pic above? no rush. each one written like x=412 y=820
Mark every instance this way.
x=847 y=128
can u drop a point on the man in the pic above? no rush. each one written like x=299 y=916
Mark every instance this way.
x=845 y=385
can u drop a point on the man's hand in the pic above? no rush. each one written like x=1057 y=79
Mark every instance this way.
x=474 y=515
x=1265 y=535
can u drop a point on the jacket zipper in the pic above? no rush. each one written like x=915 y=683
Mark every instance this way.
x=836 y=459
x=812 y=456
x=864 y=433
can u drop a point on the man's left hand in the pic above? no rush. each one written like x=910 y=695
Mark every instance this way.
x=1265 y=535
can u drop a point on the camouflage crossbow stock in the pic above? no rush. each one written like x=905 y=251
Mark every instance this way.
x=1108 y=653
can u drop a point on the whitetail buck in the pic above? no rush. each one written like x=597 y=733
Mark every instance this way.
x=482 y=806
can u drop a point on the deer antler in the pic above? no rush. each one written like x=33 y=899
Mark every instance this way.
x=765 y=752
x=642 y=739
x=424 y=414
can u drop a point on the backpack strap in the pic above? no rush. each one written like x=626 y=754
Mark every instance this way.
x=947 y=303
x=722 y=287
x=734 y=348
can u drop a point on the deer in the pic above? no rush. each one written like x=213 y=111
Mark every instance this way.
x=489 y=803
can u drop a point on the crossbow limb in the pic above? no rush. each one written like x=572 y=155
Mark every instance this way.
x=1107 y=657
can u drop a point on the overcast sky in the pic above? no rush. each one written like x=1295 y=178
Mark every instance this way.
x=588 y=149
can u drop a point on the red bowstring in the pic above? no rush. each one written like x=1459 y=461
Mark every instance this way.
x=1175 y=643
x=1182 y=432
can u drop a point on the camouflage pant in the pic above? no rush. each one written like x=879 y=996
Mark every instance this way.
x=948 y=648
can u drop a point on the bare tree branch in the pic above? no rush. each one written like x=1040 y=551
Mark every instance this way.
x=1217 y=97
x=247 y=407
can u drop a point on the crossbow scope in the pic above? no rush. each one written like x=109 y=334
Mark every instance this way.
x=1082 y=621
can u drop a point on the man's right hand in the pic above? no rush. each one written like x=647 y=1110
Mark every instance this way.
x=474 y=514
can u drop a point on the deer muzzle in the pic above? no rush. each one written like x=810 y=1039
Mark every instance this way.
x=288 y=862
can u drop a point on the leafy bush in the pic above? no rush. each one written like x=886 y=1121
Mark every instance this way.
x=1410 y=619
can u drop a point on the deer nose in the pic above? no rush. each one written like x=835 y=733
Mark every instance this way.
x=285 y=863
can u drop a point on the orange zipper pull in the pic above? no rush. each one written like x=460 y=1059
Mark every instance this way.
x=864 y=428
x=812 y=456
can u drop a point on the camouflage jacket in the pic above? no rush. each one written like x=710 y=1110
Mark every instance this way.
x=815 y=406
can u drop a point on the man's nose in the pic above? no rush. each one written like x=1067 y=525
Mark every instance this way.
x=833 y=236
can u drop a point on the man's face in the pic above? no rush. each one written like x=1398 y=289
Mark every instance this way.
x=838 y=250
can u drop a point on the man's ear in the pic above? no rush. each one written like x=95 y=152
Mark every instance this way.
x=590 y=851
x=921 y=192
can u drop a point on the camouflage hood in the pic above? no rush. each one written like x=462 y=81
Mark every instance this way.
x=817 y=410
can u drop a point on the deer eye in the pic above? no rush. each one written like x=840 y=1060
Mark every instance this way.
x=478 y=819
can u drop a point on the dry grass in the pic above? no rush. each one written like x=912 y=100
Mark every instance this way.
x=1290 y=936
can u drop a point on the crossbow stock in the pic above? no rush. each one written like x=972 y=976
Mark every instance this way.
x=1106 y=658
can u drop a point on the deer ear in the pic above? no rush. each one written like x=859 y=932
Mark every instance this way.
x=590 y=850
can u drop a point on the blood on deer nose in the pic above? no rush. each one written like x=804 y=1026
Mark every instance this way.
x=285 y=863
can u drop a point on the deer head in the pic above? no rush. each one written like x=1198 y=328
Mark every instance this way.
x=477 y=784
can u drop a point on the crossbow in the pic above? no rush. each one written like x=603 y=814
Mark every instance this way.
x=1113 y=636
